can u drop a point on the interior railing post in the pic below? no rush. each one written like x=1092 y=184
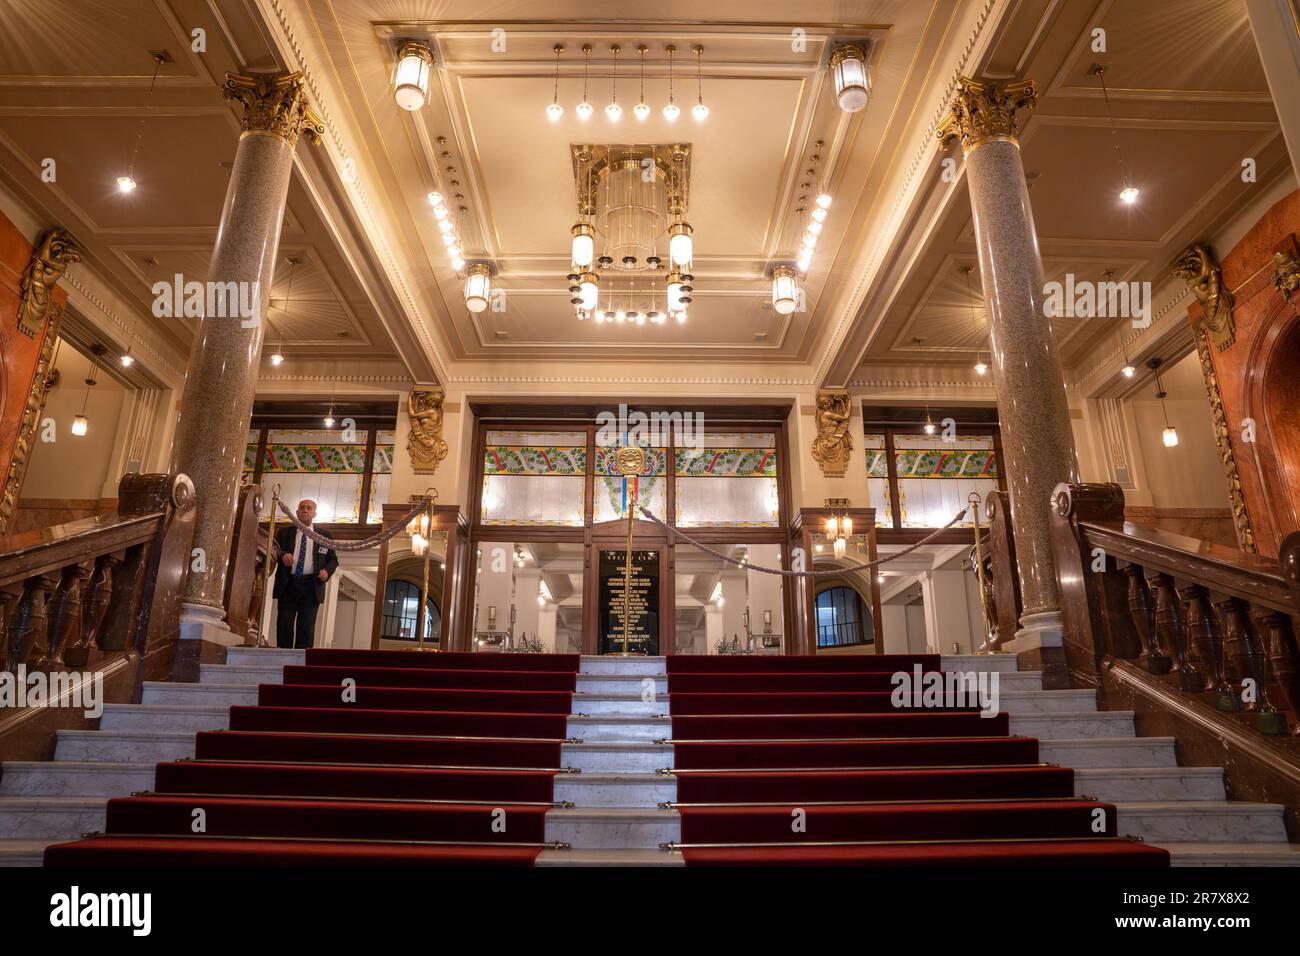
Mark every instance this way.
x=1142 y=609
x=96 y=592
x=1282 y=660
x=1242 y=647
x=1171 y=625
x=1206 y=636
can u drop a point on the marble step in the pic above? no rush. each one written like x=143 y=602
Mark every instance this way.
x=627 y=704
x=89 y=778
x=615 y=789
x=1015 y=701
x=1233 y=854
x=1209 y=821
x=241 y=674
x=1072 y=726
x=1110 y=752
x=978 y=662
x=198 y=695
x=43 y=817
x=264 y=656
x=606 y=664
x=1020 y=680
x=164 y=717
x=613 y=828
x=1150 y=783
x=156 y=746
x=617 y=757
x=27 y=852
x=574 y=857
x=614 y=728
x=622 y=684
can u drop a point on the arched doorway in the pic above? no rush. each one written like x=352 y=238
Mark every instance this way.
x=1275 y=384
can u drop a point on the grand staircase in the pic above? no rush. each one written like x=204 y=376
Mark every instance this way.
x=290 y=769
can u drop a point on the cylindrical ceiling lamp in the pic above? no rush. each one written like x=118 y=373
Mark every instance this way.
x=588 y=291
x=681 y=247
x=478 y=286
x=785 y=290
x=584 y=244
x=411 y=79
x=849 y=65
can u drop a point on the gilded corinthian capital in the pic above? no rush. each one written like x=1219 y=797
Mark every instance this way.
x=985 y=111
x=275 y=104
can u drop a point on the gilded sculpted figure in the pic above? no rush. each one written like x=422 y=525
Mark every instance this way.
x=425 y=443
x=50 y=259
x=1286 y=273
x=1198 y=268
x=833 y=443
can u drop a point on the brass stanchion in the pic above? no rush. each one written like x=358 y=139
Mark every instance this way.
x=419 y=529
x=973 y=499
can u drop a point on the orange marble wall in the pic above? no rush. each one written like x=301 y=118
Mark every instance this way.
x=1260 y=311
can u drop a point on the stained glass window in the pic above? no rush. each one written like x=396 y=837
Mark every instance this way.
x=315 y=464
x=534 y=478
x=730 y=482
x=613 y=490
x=935 y=475
x=878 y=479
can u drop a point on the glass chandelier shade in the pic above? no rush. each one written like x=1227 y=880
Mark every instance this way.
x=848 y=64
x=478 y=287
x=785 y=290
x=680 y=244
x=584 y=244
x=411 y=78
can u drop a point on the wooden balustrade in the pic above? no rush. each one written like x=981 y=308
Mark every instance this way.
x=1213 y=623
x=246 y=573
x=1001 y=578
x=98 y=596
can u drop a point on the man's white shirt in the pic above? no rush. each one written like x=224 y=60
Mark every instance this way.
x=309 y=560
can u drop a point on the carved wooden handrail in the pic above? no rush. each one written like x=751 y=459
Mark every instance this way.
x=1200 y=617
x=101 y=593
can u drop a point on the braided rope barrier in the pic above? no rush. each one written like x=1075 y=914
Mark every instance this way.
x=373 y=541
x=801 y=574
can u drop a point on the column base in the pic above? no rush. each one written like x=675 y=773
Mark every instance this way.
x=204 y=637
x=1039 y=645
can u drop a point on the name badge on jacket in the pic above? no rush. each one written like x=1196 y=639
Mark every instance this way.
x=321 y=549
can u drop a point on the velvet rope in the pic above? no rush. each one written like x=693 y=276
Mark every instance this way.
x=801 y=574
x=373 y=541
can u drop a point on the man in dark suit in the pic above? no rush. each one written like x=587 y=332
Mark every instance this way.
x=302 y=568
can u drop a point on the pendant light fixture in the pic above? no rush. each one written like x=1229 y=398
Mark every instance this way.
x=411 y=78
x=277 y=357
x=126 y=358
x=584 y=109
x=80 y=423
x=981 y=367
x=613 y=110
x=1170 y=435
x=478 y=286
x=929 y=426
x=642 y=109
x=1128 y=193
x=848 y=65
x=785 y=290
x=699 y=110
x=127 y=183
x=671 y=111
x=555 y=110
x=681 y=247
x=329 y=415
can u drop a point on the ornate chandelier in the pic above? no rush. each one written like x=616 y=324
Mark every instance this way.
x=632 y=208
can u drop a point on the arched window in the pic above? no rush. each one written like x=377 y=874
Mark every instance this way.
x=401 y=607
x=842 y=618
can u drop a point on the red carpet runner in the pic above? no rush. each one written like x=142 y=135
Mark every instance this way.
x=412 y=770
x=804 y=761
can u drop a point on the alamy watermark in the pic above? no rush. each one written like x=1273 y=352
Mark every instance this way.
x=1084 y=299
x=74 y=689
x=656 y=429
x=940 y=690
x=213 y=300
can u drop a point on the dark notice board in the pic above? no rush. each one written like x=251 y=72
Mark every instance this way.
x=643 y=630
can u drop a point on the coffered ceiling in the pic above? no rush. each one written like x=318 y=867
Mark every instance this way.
x=374 y=290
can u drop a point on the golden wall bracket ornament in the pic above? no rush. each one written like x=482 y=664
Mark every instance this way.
x=425 y=443
x=40 y=387
x=1286 y=273
x=275 y=104
x=833 y=444
x=1223 y=439
x=50 y=259
x=985 y=111
x=1201 y=271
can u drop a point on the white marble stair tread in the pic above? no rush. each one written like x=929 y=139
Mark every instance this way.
x=613 y=828
x=1017 y=702
x=204 y=695
x=189 y=717
x=1088 y=752
x=1211 y=821
x=118 y=745
x=630 y=704
x=50 y=817
x=1072 y=726
x=618 y=727
x=1150 y=783
x=263 y=656
x=75 y=778
x=241 y=674
x=1020 y=680
x=615 y=789
x=616 y=757
x=1232 y=854
x=621 y=683
x=599 y=857
x=604 y=664
x=978 y=662
x=25 y=852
